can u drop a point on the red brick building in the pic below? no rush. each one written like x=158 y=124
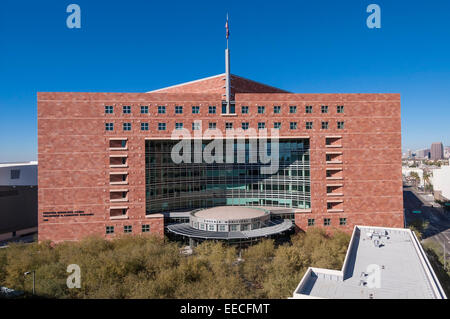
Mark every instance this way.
x=92 y=153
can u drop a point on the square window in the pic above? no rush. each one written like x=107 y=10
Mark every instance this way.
x=212 y=125
x=109 y=229
x=145 y=228
x=261 y=109
x=277 y=125
x=277 y=109
x=178 y=110
x=178 y=126
x=15 y=173
x=144 y=109
x=109 y=109
x=293 y=125
x=340 y=109
x=109 y=126
x=228 y=125
x=245 y=125
x=161 y=109
x=309 y=125
x=127 y=229
x=292 y=109
x=324 y=125
x=195 y=109
x=126 y=109
x=127 y=126
x=161 y=126
x=340 y=125
x=327 y=221
x=324 y=109
x=196 y=126
x=244 y=109
x=144 y=126
x=308 y=109
x=311 y=221
x=261 y=125
x=342 y=221
x=212 y=110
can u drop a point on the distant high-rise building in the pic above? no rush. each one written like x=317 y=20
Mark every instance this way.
x=437 y=151
x=447 y=152
x=424 y=153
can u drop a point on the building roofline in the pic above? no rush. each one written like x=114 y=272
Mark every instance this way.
x=186 y=83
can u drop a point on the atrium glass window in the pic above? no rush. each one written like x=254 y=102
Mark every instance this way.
x=241 y=182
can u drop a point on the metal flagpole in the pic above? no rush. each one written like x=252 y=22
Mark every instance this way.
x=227 y=70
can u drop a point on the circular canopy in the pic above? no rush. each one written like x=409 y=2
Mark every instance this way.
x=230 y=213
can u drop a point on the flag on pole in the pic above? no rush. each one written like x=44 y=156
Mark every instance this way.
x=226 y=27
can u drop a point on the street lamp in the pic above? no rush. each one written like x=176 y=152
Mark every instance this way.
x=34 y=279
x=445 y=257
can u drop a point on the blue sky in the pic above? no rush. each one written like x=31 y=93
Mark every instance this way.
x=302 y=46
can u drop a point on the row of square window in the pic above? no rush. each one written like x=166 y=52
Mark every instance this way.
x=109 y=109
x=327 y=221
x=127 y=229
x=228 y=126
x=146 y=228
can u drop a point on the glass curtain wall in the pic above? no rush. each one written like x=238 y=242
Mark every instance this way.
x=171 y=186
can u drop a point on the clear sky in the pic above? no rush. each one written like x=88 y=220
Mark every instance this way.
x=302 y=46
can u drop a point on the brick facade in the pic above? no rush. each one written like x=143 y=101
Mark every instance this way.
x=74 y=153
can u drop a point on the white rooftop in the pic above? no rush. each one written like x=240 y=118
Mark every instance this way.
x=18 y=164
x=381 y=263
